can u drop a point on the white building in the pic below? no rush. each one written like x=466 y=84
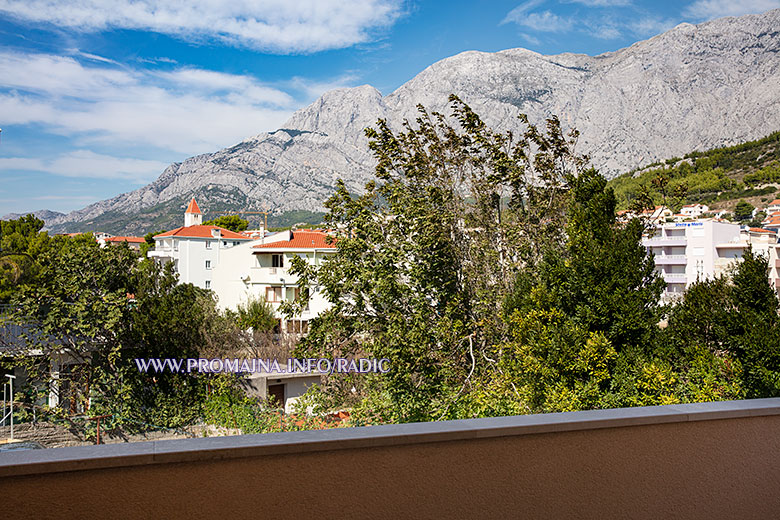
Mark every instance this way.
x=195 y=250
x=762 y=241
x=685 y=251
x=262 y=269
x=694 y=210
x=689 y=251
x=773 y=207
x=657 y=215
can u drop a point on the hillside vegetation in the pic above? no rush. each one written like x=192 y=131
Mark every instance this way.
x=719 y=178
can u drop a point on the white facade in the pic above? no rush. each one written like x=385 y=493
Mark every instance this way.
x=286 y=388
x=195 y=250
x=694 y=210
x=685 y=252
x=261 y=269
x=763 y=242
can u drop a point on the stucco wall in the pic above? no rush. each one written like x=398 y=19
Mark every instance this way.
x=700 y=461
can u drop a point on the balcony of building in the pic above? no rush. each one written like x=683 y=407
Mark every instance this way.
x=705 y=460
x=670 y=259
x=270 y=275
x=675 y=277
x=660 y=241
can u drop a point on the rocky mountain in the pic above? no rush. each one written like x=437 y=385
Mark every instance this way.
x=43 y=214
x=693 y=87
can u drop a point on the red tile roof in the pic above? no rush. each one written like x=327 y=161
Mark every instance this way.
x=775 y=202
x=302 y=240
x=201 y=232
x=773 y=221
x=129 y=240
x=760 y=230
x=193 y=207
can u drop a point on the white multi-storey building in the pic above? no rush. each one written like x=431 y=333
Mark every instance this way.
x=685 y=252
x=762 y=241
x=261 y=269
x=195 y=250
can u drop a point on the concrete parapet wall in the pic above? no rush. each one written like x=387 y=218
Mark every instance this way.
x=709 y=460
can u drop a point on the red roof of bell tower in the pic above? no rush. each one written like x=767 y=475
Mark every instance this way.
x=193 y=207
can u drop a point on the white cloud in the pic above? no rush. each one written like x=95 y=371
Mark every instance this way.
x=605 y=31
x=85 y=163
x=530 y=39
x=711 y=9
x=519 y=12
x=270 y=25
x=186 y=110
x=544 y=21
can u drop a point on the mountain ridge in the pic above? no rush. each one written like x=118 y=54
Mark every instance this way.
x=692 y=87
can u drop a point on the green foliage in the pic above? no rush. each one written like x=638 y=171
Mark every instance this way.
x=743 y=211
x=232 y=222
x=605 y=278
x=709 y=176
x=21 y=242
x=755 y=331
x=79 y=310
x=257 y=314
x=227 y=406
x=768 y=174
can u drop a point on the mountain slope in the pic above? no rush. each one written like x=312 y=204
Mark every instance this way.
x=693 y=87
x=720 y=177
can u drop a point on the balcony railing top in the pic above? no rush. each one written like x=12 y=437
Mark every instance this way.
x=220 y=448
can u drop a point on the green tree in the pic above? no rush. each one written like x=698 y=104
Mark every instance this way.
x=80 y=311
x=743 y=211
x=427 y=254
x=232 y=222
x=257 y=314
x=755 y=331
x=21 y=242
x=604 y=279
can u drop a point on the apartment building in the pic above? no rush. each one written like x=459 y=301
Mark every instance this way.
x=689 y=251
x=253 y=270
x=762 y=242
x=685 y=251
x=195 y=249
x=694 y=210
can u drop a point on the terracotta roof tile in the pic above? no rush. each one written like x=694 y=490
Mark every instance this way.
x=302 y=240
x=193 y=207
x=129 y=240
x=202 y=231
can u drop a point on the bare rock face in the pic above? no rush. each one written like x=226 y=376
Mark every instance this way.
x=693 y=87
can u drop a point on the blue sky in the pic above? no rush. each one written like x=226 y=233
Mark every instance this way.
x=97 y=97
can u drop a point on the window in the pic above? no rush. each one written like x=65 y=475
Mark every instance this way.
x=208 y=244
x=224 y=243
x=208 y=284
x=297 y=326
x=305 y=297
x=235 y=243
x=273 y=294
x=208 y=264
x=277 y=260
